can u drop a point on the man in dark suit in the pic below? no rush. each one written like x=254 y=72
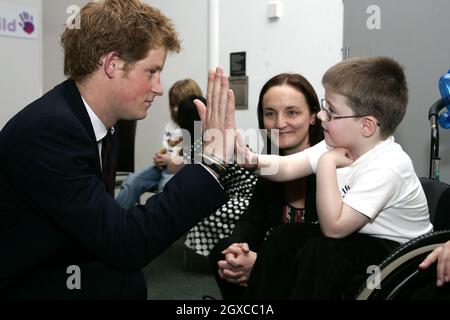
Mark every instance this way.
x=62 y=235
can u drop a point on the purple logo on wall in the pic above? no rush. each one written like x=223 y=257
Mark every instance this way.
x=19 y=21
x=27 y=22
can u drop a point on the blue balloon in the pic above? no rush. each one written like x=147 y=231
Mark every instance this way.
x=444 y=89
x=444 y=120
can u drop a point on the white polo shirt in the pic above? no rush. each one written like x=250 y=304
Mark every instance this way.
x=382 y=185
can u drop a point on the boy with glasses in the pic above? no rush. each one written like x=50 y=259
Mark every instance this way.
x=369 y=198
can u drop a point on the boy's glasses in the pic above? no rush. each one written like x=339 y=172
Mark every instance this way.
x=324 y=106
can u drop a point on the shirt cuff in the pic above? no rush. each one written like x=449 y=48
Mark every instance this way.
x=207 y=169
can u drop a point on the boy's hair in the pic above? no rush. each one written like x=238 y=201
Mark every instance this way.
x=182 y=89
x=302 y=85
x=128 y=27
x=373 y=86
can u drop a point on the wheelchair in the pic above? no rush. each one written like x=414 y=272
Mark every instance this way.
x=399 y=276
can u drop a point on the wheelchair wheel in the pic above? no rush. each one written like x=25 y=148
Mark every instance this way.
x=400 y=277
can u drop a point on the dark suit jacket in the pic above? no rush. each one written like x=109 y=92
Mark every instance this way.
x=53 y=205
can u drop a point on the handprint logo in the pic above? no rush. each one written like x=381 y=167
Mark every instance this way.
x=27 y=22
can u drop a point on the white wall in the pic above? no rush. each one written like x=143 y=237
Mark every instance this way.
x=54 y=20
x=306 y=39
x=191 y=22
x=21 y=67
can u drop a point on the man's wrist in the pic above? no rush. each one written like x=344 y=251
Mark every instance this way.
x=216 y=164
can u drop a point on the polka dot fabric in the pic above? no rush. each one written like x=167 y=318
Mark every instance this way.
x=239 y=184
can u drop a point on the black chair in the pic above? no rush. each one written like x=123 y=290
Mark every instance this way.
x=125 y=161
x=399 y=276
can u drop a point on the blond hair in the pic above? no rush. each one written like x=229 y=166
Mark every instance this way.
x=182 y=89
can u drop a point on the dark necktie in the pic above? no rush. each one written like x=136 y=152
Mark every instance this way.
x=108 y=163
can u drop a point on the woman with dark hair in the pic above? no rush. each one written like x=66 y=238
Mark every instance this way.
x=287 y=103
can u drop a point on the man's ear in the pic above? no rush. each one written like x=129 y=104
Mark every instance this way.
x=112 y=64
x=369 y=125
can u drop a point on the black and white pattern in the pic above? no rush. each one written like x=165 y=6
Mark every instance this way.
x=239 y=184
